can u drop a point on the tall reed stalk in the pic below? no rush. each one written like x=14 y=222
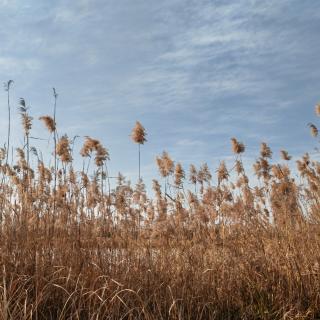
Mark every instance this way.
x=7 y=86
x=138 y=135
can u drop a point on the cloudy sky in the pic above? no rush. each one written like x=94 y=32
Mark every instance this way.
x=194 y=72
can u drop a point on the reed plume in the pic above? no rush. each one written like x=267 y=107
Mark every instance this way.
x=49 y=123
x=284 y=155
x=313 y=130
x=237 y=147
x=265 y=151
x=179 y=175
x=63 y=149
x=138 y=135
x=165 y=164
x=222 y=172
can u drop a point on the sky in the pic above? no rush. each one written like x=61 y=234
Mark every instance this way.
x=194 y=72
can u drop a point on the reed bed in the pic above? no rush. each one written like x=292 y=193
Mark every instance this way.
x=72 y=247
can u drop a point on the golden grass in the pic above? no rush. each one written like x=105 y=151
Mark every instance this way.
x=73 y=248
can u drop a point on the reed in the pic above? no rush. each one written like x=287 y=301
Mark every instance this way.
x=138 y=136
x=229 y=249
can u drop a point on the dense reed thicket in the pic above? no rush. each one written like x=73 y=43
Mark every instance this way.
x=72 y=247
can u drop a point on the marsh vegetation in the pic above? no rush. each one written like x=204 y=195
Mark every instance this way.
x=203 y=246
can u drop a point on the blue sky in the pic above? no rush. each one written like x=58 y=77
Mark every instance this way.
x=195 y=73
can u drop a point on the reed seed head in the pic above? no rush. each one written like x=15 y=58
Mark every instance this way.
x=313 y=130
x=179 y=174
x=165 y=164
x=284 y=155
x=49 y=123
x=63 y=149
x=138 y=134
x=237 y=147
x=265 y=150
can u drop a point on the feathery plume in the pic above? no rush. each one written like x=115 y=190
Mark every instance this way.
x=102 y=155
x=138 y=134
x=223 y=173
x=89 y=146
x=165 y=164
x=49 y=123
x=313 y=130
x=63 y=149
x=284 y=155
x=193 y=174
x=179 y=174
x=265 y=150
x=237 y=147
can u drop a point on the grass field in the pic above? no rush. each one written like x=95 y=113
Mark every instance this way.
x=72 y=247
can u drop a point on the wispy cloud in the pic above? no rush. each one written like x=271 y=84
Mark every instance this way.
x=18 y=65
x=194 y=72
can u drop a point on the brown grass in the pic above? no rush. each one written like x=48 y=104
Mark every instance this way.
x=73 y=248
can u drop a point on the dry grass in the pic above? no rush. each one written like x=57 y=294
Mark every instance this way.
x=73 y=248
